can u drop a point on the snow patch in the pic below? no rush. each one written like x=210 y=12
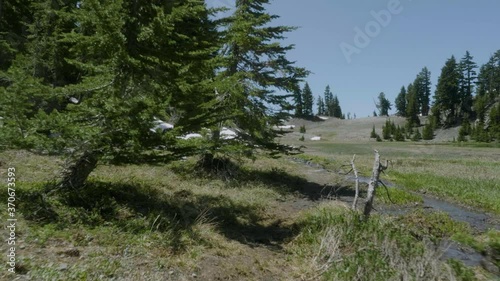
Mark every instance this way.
x=316 y=138
x=190 y=136
x=228 y=134
x=161 y=125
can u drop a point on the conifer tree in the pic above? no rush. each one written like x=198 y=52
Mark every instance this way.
x=321 y=106
x=400 y=102
x=257 y=77
x=383 y=105
x=308 y=99
x=423 y=84
x=447 y=97
x=299 y=103
x=412 y=108
x=467 y=79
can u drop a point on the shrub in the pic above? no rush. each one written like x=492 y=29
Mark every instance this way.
x=303 y=129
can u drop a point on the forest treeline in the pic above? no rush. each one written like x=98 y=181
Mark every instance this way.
x=90 y=78
x=465 y=95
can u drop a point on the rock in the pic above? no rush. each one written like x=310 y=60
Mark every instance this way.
x=63 y=267
x=194 y=275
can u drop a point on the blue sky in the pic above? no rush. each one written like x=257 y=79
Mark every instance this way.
x=419 y=33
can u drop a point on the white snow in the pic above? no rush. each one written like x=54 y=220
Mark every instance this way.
x=190 y=136
x=323 y=117
x=228 y=134
x=316 y=138
x=286 y=127
x=162 y=125
x=74 y=100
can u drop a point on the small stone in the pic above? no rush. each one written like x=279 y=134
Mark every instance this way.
x=63 y=267
x=194 y=275
x=171 y=272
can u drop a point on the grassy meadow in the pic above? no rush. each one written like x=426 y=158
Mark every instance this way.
x=271 y=220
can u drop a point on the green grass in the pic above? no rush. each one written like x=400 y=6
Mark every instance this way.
x=466 y=174
x=482 y=193
x=339 y=245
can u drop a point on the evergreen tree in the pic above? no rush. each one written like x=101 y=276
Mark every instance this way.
x=423 y=89
x=428 y=132
x=299 y=103
x=383 y=105
x=401 y=102
x=447 y=97
x=308 y=98
x=488 y=86
x=337 y=110
x=321 y=106
x=257 y=78
x=101 y=84
x=329 y=102
x=373 y=134
x=412 y=108
x=467 y=79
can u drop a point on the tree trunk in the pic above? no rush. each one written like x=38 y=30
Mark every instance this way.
x=356 y=179
x=372 y=187
x=76 y=173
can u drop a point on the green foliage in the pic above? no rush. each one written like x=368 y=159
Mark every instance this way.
x=373 y=134
x=412 y=107
x=386 y=130
x=427 y=132
x=423 y=90
x=401 y=102
x=332 y=104
x=417 y=136
x=447 y=97
x=308 y=99
x=376 y=249
x=383 y=105
x=303 y=129
x=299 y=103
x=301 y=138
x=398 y=134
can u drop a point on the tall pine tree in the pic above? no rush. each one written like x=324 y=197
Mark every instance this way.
x=447 y=97
x=308 y=99
x=401 y=102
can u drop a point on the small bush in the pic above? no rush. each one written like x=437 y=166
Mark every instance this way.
x=303 y=129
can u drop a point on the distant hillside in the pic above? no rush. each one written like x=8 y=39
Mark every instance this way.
x=334 y=129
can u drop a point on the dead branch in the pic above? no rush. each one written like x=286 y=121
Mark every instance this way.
x=356 y=180
x=374 y=181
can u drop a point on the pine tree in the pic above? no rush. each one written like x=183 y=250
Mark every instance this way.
x=308 y=98
x=299 y=103
x=337 y=110
x=321 y=106
x=447 y=97
x=412 y=109
x=488 y=86
x=329 y=102
x=423 y=88
x=373 y=134
x=383 y=105
x=100 y=84
x=428 y=132
x=467 y=79
x=401 y=102
x=257 y=77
